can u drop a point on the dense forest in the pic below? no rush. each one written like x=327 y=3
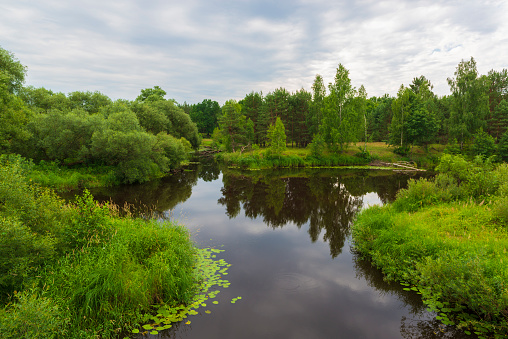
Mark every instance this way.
x=139 y=139
x=472 y=119
x=146 y=137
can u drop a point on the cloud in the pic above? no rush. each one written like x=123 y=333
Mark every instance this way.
x=225 y=49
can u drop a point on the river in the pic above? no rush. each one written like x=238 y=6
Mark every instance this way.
x=287 y=236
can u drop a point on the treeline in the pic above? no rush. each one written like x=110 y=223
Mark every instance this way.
x=139 y=139
x=473 y=118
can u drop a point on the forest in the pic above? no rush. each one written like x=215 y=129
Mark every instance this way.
x=472 y=120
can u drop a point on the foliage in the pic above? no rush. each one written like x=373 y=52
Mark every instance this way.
x=12 y=72
x=318 y=146
x=484 y=144
x=92 y=273
x=470 y=101
x=448 y=248
x=276 y=138
x=502 y=147
x=151 y=94
x=205 y=115
x=233 y=127
x=209 y=273
x=33 y=315
x=341 y=120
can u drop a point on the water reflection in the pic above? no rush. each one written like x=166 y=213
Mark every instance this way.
x=418 y=324
x=327 y=200
x=291 y=287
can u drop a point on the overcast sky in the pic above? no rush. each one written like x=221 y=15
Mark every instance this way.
x=197 y=49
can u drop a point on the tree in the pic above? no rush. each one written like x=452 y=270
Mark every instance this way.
x=498 y=89
x=299 y=106
x=151 y=94
x=164 y=116
x=315 y=116
x=232 y=125
x=362 y=110
x=470 y=103
x=401 y=109
x=422 y=87
x=12 y=72
x=88 y=101
x=341 y=90
x=44 y=100
x=379 y=111
x=62 y=136
x=276 y=138
x=498 y=122
x=484 y=144
x=341 y=121
x=14 y=114
x=252 y=108
x=421 y=126
x=205 y=115
x=412 y=124
x=502 y=147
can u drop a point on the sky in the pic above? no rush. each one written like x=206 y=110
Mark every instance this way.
x=221 y=50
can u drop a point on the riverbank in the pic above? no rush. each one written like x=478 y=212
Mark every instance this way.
x=377 y=155
x=63 y=178
x=77 y=270
x=447 y=239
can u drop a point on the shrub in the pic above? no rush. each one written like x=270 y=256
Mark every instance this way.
x=484 y=144
x=23 y=253
x=419 y=193
x=32 y=316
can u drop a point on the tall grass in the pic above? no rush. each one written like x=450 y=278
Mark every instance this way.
x=447 y=238
x=259 y=160
x=80 y=266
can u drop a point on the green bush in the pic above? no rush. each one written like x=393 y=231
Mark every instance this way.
x=484 y=144
x=32 y=316
x=145 y=263
x=23 y=254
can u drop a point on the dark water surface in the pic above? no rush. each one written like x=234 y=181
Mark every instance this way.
x=287 y=236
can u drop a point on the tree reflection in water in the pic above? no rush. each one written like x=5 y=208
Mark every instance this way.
x=326 y=199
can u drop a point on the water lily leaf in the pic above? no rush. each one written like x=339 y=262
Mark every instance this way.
x=135 y=331
x=188 y=322
x=208 y=311
x=154 y=332
x=215 y=302
x=147 y=327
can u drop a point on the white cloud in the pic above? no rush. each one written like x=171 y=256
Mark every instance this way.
x=217 y=49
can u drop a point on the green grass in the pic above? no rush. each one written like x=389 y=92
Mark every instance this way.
x=353 y=156
x=448 y=241
x=78 y=270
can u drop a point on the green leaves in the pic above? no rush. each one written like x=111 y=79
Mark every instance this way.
x=208 y=272
x=276 y=138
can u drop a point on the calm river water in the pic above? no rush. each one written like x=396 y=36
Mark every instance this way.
x=287 y=236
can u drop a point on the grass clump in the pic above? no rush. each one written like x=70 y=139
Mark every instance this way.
x=78 y=270
x=447 y=238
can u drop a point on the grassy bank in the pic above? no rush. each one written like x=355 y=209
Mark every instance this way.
x=78 y=270
x=257 y=158
x=66 y=178
x=447 y=238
